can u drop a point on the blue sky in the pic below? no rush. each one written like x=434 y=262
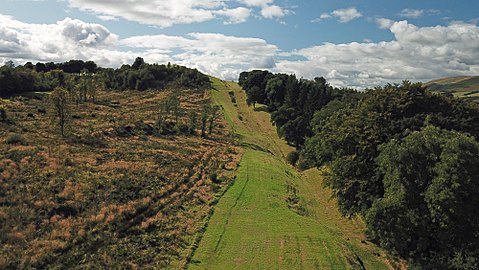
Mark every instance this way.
x=350 y=43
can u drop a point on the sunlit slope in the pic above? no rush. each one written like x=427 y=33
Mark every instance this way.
x=274 y=217
x=466 y=86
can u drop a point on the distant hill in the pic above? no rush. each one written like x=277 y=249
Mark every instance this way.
x=464 y=86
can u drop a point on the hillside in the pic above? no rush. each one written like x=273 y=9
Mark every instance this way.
x=112 y=193
x=273 y=216
x=464 y=87
x=116 y=193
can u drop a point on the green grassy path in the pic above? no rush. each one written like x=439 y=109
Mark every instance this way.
x=256 y=224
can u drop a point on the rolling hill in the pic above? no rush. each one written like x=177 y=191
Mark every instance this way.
x=463 y=86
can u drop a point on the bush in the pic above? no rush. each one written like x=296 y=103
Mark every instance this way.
x=292 y=157
x=16 y=139
x=214 y=177
x=90 y=140
x=3 y=114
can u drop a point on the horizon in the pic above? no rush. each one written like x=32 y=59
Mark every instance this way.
x=350 y=43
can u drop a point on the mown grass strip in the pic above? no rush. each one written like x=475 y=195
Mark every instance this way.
x=253 y=227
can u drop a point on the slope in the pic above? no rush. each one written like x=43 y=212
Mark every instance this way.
x=272 y=216
x=464 y=87
x=115 y=193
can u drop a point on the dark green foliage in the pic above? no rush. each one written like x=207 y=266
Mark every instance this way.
x=193 y=123
x=3 y=114
x=138 y=62
x=87 y=77
x=348 y=135
x=15 y=80
x=292 y=157
x=143 y=76
x=428 y=213
x=292 y=102
x=255 y=95
x=415 y=186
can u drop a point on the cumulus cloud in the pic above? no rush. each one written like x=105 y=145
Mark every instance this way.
x=166 y=13
x=384 y=23
x=216 y=54
x=268 y=9
x=61 y=41
x=343 y=15
x=163 y=13
x=415 y=53
x=346 y=15
x=236 y=15
x=256 y=3
x=270 y=12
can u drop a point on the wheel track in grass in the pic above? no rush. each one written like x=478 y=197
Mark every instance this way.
x=252 y=226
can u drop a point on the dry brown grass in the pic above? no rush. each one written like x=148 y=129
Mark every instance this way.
x=98 y=199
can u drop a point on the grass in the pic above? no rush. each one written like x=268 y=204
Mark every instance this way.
x=99 y=200
x=255 y=226
x=463 y=87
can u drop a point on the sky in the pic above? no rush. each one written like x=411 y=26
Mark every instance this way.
x=355 y=43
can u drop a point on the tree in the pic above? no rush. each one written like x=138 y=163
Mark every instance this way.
x=193 y=123
x=429 y=212
x=255 y=95
x=275 y=92
x=29 y=65
x=212 y=118
x=60 y=99
x=138 y=63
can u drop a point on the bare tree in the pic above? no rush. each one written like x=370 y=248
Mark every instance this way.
x=60 y=99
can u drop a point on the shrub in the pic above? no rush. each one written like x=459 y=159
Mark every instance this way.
x=16 y=139
x=90 y=140
x=292 y=157
x=3 y=114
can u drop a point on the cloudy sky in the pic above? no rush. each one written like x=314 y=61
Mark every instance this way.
x=356 y=43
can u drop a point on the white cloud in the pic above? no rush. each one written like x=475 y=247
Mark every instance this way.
x=270 y=12
x=343 y=15
x=236 y=15
x=417 y=13
x=384 y=23
x=107 y=18
x=325 y=16
x=268 y=9
x=416 y=53
x=163 y=13
x=411 y=13
x=166 y=13
x=346 y=15
x=256 y=3
x=62 y=41
x=216 y=54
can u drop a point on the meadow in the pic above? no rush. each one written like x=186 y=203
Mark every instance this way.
x=112 y=192
x=274 y=217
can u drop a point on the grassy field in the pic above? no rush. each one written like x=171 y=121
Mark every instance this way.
x=112 y=194
x=463 y=87
x=274 y=217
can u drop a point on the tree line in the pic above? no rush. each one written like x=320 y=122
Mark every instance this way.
x=291 y=101
x=43 y=77
x=402 y=157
